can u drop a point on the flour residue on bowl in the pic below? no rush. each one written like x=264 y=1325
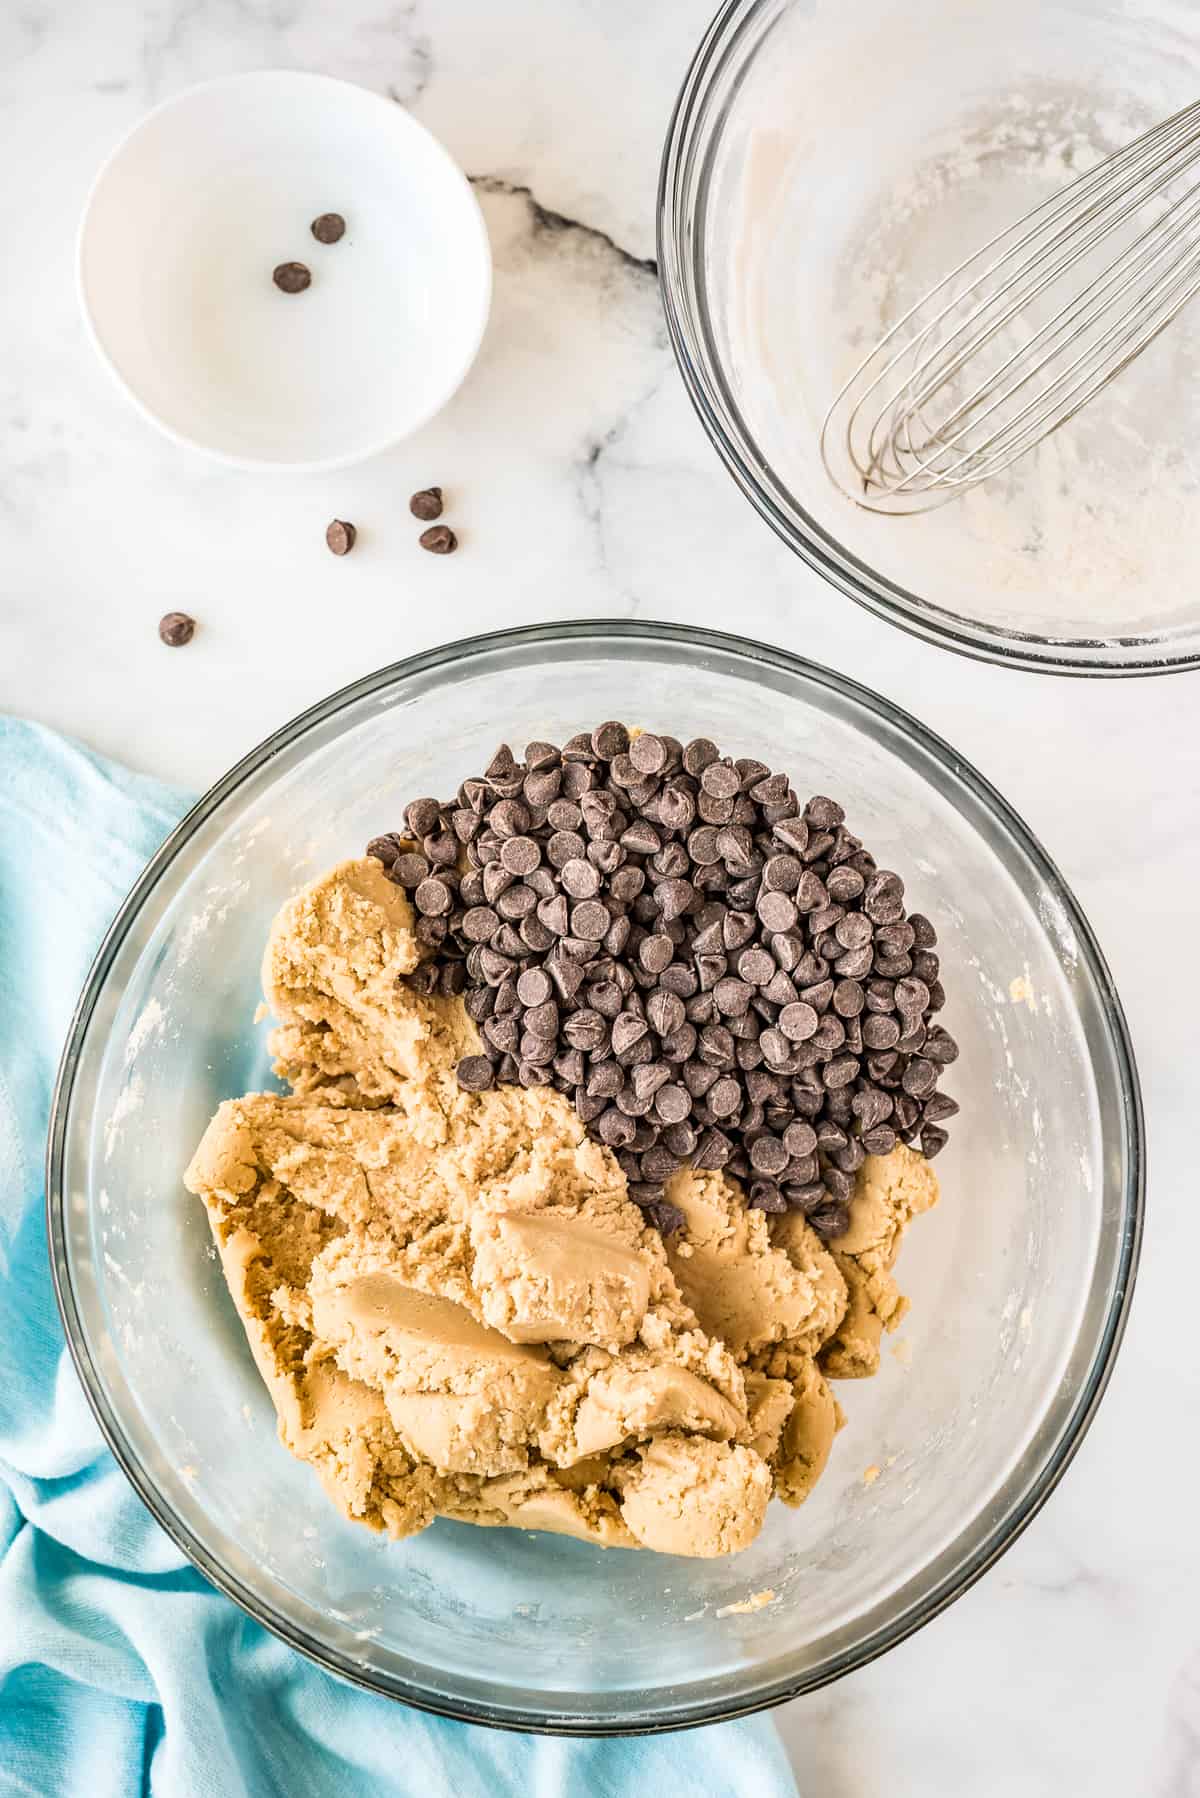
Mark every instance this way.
x=127 y=1102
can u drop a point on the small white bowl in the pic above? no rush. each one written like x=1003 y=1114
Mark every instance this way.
x=192 y=213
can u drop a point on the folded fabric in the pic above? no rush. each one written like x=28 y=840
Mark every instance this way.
x=121 y=1670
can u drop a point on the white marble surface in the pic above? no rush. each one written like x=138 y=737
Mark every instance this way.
x=582 y=485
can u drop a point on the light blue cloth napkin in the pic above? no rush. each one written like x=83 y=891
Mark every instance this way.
x=122 y=1672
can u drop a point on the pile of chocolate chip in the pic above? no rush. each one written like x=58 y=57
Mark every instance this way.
x=715 y=975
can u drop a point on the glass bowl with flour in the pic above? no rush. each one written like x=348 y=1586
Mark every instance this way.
x=825 y=166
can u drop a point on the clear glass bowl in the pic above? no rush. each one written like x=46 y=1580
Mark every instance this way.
x=1019 y=1280
x=826 y=164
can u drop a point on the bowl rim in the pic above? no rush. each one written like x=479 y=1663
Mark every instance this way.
x=432 y=147
x=1129 y=1223
x=1097 y=657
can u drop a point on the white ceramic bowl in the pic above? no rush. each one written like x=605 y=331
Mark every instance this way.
x=208 y=194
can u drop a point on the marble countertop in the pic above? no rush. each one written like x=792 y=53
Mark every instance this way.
x=583 y=486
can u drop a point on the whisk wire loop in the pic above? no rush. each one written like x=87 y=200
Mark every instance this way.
x=1016 y=339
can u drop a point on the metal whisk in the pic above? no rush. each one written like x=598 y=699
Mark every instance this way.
x=1016 y=339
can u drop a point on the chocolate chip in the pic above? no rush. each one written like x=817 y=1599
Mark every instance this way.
x=732 y=997
x=880 y=1030
x=328 y=227
x=924 y=935
x=475 y=1073
x=647 y=1079
x=669 y=976
x=719 y=780
x=667 y=1219
x=800 y=1140
x=871 y=1107
x=768 y=1155
x=176 y=629
x=673 y=1103
x=516 y=902
x=590 y=920
x=542 y=1020
x=792 y=833
x=905 y=1112
x=681 y=1139
x=919 y=1078
x=426 y=504
x=480 y=924
x=340 y=536
x=756 y=966
x=940 y=1046
x=614 y=1128
x=725 y=1097
x=883 y=898
x=386 y=849
x=675 y=897
x=520 y=855
x=737 y=929
x=912 y=996
x=534 y=987
x=433 y=897
x=610 y=740
x=844 y=885
x=838 y=1185
x=421 y=816
x=829 y=1221
x=442 y=848
x=840 y=1071
x=439 y=540
x=291 y=277
x=648 y=753
x=829 y=1034
x=628 y=1029
x=676 y=809
x=580 y=879
x=782 y=873
x=698 y=755
x=777 y=911
x=712 y=1151
x=665 y=1012
x=798 y=1022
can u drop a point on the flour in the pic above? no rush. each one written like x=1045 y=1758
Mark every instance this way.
x=832 y=240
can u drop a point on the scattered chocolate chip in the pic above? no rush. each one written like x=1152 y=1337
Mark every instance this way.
x=340 y=536
x=291 y=277
x=328 y=227
x=439 y=540
x=426 y=504
x=176 y=629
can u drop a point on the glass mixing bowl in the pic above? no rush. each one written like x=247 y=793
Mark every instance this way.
x=826 y=164
x=1019 y=1279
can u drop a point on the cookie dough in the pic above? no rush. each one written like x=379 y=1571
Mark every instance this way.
x=459 y=1311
